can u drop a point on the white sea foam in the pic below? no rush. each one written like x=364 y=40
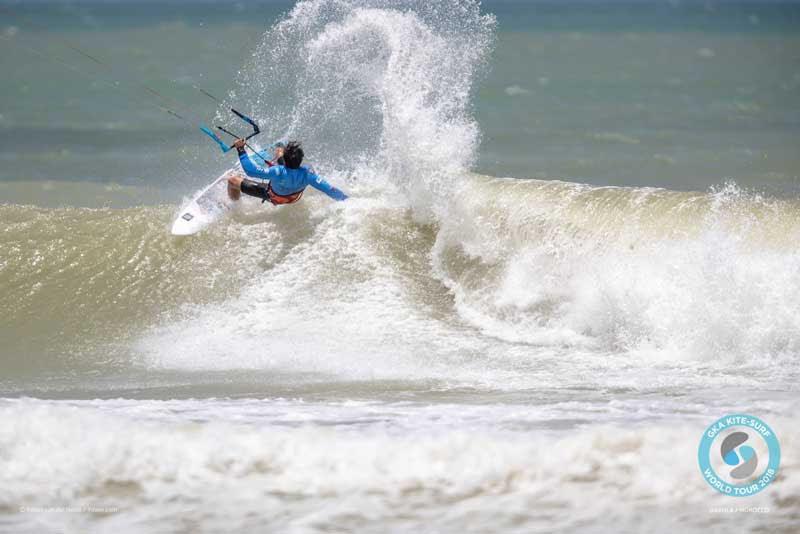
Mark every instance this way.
x=669 y=275
x=304 y=476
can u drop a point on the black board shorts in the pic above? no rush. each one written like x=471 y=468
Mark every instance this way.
x=263 y=191
x=255 y=189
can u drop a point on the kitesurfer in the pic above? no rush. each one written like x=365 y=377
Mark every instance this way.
x=286 y=177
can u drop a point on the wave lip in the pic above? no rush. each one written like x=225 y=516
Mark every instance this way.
x=641 y=270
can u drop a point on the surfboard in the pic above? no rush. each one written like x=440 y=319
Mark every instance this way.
x=205 y=208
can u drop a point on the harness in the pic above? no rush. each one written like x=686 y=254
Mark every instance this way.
x=278 y=200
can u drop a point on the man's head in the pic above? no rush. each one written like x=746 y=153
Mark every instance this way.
x=293 y=155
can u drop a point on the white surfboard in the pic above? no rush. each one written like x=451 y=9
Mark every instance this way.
x=207 y=207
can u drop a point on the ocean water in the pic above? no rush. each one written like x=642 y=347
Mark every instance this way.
x=571 y=246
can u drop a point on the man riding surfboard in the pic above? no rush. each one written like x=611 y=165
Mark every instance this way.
x=286 y=180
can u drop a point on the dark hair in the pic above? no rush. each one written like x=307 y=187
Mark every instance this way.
x=293 y=155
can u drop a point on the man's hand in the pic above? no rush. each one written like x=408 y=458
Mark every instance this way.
x=239 y=143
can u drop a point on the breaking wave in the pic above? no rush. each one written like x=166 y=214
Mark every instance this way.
x=430 y=268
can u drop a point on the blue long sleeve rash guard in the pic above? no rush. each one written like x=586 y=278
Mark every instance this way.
x=286 y=181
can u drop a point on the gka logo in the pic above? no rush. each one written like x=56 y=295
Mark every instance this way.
x=731 y=451
x=745 y=459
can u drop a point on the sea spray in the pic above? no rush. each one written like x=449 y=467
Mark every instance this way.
x=384 y=87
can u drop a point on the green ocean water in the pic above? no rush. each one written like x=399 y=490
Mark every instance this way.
x=683 y=96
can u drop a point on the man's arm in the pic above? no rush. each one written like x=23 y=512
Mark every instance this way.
x=319 y=183
x=276 y=156
x=250 y=168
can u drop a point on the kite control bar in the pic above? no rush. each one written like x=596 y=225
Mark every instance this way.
x=225 y=148
x=245 y=118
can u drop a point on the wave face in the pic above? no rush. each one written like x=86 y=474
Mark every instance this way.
x=516 y=274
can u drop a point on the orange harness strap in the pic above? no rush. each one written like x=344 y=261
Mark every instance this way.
x=278 y=200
